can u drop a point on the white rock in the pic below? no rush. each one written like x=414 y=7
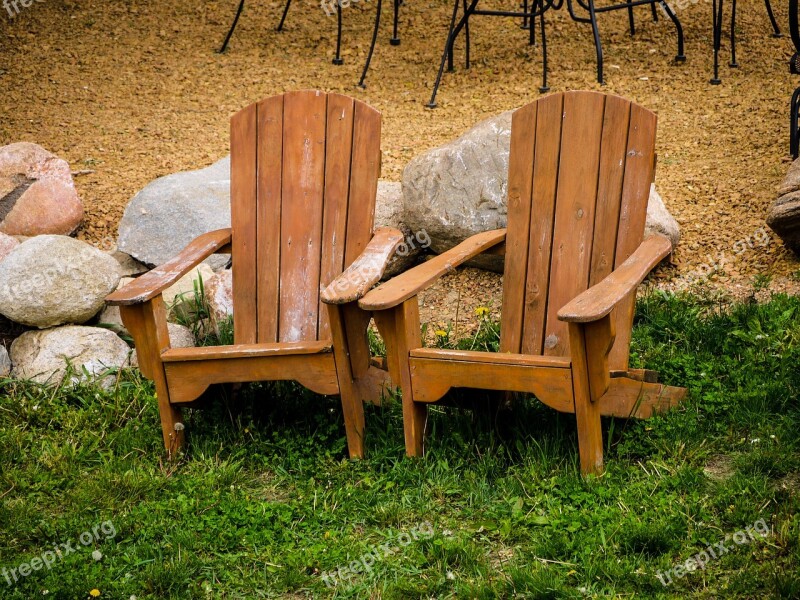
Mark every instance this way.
x=180 y=336
x=44 y=356
x=659 y=220
x=219 y=295
x=184 y=287
x=51 y=280
x=5 y=362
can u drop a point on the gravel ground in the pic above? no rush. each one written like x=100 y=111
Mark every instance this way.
x=128 y=91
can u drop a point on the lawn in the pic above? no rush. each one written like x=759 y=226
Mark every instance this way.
x=701 y=502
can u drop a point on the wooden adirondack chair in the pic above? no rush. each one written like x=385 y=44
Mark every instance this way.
x=304 y=175
x=580 y=170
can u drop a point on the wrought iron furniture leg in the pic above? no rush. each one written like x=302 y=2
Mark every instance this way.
x=654 y=12
x=233 y=26
x=776 y=31
x=794 y=118
x=283 y=16
x=716 y=7
x=598 y=48
x=631 y=24
x=733 y=64
x=544 y=87
x=463 y=22
x=338 y=60
x=466 y=36
x=372 y=45
x=432 y=101
x=395 y=39
x=680 y=56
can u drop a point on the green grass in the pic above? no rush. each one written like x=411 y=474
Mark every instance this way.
x=265 y=502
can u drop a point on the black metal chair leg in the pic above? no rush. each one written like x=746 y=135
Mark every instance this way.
x=794 y=117
x=395 y=39
x=283 y=16
x=432 y=102
x=372 y=45
x=631 y=24
x=462 y=23
x=680 y=56
x=543 y=89
x=233 y=26
x=733 y=64
x=655 y=12
x=525 y=23
x=776 y=31
x=716 y=21
x=532 y=31
x=598 y=48
x=466 y=36
x=338 y=60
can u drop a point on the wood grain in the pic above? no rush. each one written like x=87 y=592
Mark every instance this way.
x=304 y=115
x=268 y=215
x=244 y=194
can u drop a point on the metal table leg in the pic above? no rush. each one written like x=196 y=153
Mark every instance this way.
x=716 y=21
x=233 y=25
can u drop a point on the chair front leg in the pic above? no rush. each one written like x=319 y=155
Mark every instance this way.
x=351 y=355
x=590 y=344
x=147 y=324
x=399 y=327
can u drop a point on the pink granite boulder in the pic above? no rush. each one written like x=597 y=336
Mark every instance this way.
x=37 y=194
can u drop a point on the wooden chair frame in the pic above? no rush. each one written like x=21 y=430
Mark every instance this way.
x=292 y=156
x=567 y=311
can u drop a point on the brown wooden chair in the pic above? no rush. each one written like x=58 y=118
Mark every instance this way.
x=580 y=171
x=304 y=175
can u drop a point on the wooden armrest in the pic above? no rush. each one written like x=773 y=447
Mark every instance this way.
x=408 y=284
x=366 y=270
x=151 y=284
x=600 y=299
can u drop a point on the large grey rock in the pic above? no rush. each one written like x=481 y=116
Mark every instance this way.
x=461 y=188
x=50 y=280
x=784 y=214
x=173 y=210
x=82 y=353
x=659 y=219
x=389 y=213
x=5 y=362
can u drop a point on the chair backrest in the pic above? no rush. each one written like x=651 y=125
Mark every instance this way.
x=580 y=171
x=304 y=175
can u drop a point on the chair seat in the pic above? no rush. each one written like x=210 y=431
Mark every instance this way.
x=497 y=358
x=245 y=351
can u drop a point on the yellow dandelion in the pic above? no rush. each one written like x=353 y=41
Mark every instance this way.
x=94 y=593
x=482 y=311
x=440 y=333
